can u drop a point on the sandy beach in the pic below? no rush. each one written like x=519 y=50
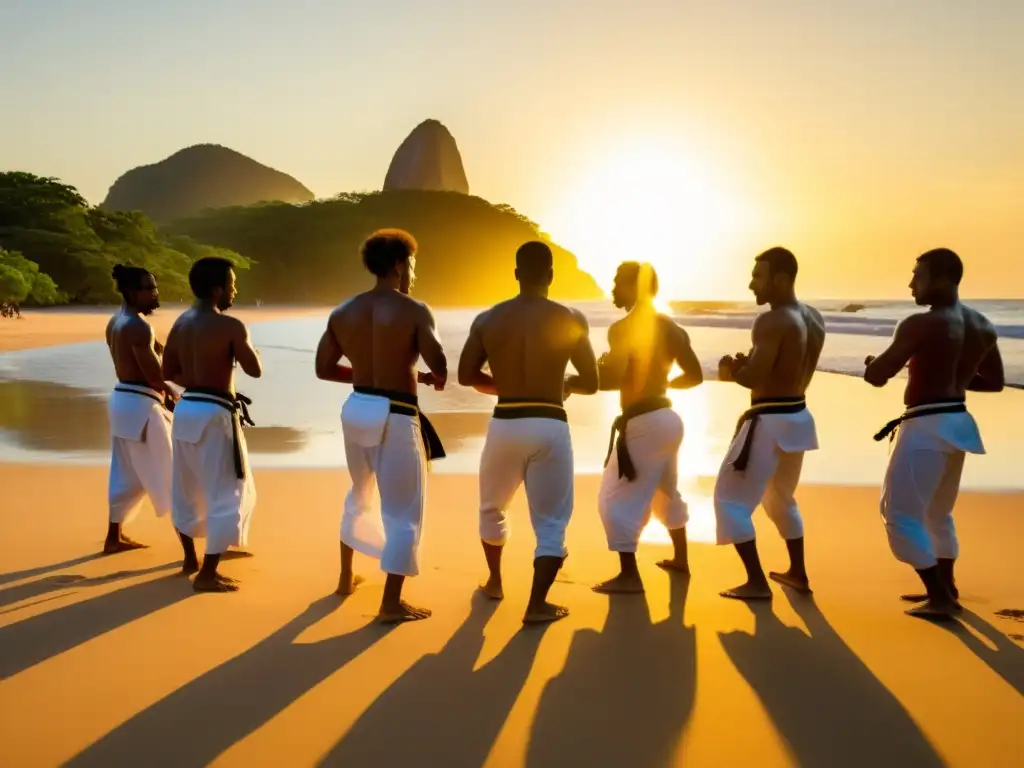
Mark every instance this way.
x=115 y=661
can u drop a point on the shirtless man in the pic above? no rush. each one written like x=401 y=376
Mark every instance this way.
x=139 y=409
x=388 y=441
x=528 y=341
x=950 y=349
x=213 y=491
x=764 y=461
x=640 y=474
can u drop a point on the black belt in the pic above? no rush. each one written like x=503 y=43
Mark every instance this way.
x=528 y=408
x=916 y=411
x=762 y=407
x=408 y=405
x=123 y=387
x=626 y=468
x=237 y=404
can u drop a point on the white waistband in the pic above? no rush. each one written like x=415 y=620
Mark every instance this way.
x=932 y=406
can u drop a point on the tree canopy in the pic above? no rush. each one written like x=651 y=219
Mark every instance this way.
x=310 y=252
x=20 y=279
x=51 y=227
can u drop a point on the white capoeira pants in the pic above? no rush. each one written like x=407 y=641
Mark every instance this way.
x=383 y=515
x=140 y=456
x=209 y=499
x=922 y=483
x=653 y=440
x=537 y=452
x=770 y=478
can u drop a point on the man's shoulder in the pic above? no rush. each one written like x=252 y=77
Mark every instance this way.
x=132 y=326
x=976 y=319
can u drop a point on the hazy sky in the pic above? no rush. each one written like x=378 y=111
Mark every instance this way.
x=857 y=132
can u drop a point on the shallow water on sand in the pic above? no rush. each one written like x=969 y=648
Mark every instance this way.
x=53 y=408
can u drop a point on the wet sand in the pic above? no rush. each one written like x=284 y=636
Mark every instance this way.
x=70 y=325
x=115 y=661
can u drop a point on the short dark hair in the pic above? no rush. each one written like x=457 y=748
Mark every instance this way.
x=385 y=248
x=534 y=262
x=643 y=276
x=208 y=273
x=780 y=261
x=128 y=278
x=943 y=263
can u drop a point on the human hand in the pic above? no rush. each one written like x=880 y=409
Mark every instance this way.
x=432 y=380
x=869 y=360
x=725 y=368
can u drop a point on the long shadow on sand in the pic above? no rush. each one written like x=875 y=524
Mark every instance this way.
x=205 y=717
x=7 y=578
x=447 y=713
x=38 y=638
x=1006 y=660
x=48 y=584
x=826 y=704
x=626 y=693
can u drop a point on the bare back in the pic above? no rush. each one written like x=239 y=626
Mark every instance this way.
x=643 y=347
x=134 y=350
x=528 y=342
x=788 y=342
x=383 y=333
x=203 y=347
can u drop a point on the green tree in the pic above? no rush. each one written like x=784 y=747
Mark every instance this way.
x=42 y=291
x=13 y=285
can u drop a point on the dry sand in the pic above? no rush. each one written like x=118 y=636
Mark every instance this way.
x=115 y=661
x=70 y=325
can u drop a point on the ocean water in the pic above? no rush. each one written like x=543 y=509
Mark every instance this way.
x=53 y=400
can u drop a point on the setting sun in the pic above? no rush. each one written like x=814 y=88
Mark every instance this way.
x=651 y=202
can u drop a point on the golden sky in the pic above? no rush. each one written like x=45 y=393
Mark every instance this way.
x=857 y=133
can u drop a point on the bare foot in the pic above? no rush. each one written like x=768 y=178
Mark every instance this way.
x=935 y=610
x=623 y=584
x=215 y=583
x=493 y=589
x=346 y=586
x=749 y=591
x=921 y=598
x=798 y=582
x=124 y=544
x=235 y=554
x=674 y=566
x=545 y=614
x=402 y=612
x=188 y=567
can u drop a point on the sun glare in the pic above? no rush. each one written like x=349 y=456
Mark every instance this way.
x=649 y=202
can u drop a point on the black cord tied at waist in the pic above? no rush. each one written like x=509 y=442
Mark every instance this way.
x=123 y=386
x=626 y=467
x=915 y=412
x=762 y=407
x=529 y=408
x=408 y=405
x=238 y=404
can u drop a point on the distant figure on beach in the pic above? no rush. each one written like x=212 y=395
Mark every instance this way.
x=213 y=494
x=528 y=341
x=641 y=474
x=139 y=410
x=948 y=350
x=388 y=441
x=764 y=461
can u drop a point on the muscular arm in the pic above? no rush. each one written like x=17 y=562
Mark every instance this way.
x=171 y=361
x=471 y=362
x=685 y=358
x=904 y=343
x=766 y=336
x=582 y=357
x=139 y=334
x=328 y=359
x=611 y=368
x=989 y=376
x=245 y=353
x=430 y=348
